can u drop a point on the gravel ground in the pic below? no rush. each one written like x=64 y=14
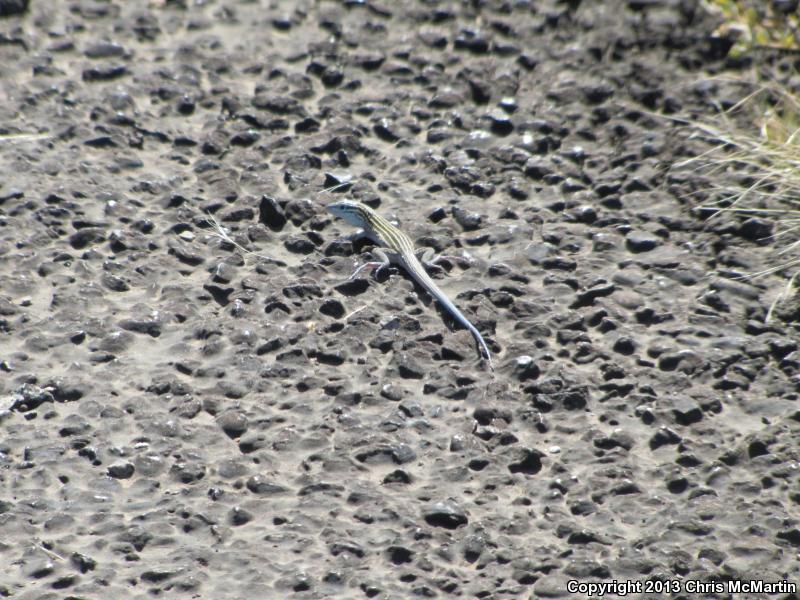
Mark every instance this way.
x=180 y=418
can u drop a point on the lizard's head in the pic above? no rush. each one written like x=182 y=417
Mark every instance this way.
x=351 y=211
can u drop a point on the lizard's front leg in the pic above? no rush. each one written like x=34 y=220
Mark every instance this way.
x=378 y=265
x=356 y=235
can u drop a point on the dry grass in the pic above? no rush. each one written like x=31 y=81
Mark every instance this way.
x=224 y=235
x=753 y=162
x=23 y=137
x=754 y=159
x=756 y=24
x=754 y=154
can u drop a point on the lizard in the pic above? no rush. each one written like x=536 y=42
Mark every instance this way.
x=395 y=246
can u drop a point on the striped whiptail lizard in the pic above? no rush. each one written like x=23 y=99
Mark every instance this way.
x=397 y=247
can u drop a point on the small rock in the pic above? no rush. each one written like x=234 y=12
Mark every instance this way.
x=585 y=214
x=188 y=472
x=587 y=297
x=618 y=439
x=500 y=124
x=537 y=168
x=233 y=422
x=186 y=106
x=790 y=535
x=352 y=548
x=526 y=461
x=527 y=62
x=86 y=236
x=299 y=244
x=82 y=562
x=381 y=453
x=239 y=516
x=352 y=287
x=598 y=92
x=445 y=514
x=641 y=241
x=686 y=361
x=104 y=50
x=525 y=368
x=106 y=73
x=385 y=131
x=27 y=397
x=114 y=283
x=158 y=575
x=38 y=567
x=44 y=454
x=409 y=368
x=332 y=76
x=468 y=220
x=399 y=555
x=282 y=22
x=307 y=125
x=150 y=326
x=446 y=99
x=185 y=254
x=281 y=105
x=332 y=308
x=271 y=214
x=482 y=189
x=13 y=7
x=677 y=485
x=663 y=437
x=508 y=104
x=300 y=211
x=341 y=181
x=757 y=230
x=473 y=41
x=261 y=486
x=757 y=448
x=149 y=465
x=74 y=425
x=398 y=476
x=686 y=411
x=115 y=342
x=625 y=346
x=245 y=138
x=123 y=470
x=223 y=273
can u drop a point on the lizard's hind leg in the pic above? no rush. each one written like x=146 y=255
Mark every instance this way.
x=429 y=260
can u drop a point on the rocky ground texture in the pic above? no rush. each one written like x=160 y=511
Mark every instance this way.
x=181 y=418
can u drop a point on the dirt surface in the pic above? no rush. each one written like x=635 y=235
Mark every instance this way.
x=179 y=418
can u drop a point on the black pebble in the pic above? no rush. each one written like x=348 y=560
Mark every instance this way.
x=104 y=73
x=446 y=515
x=86 y=237
x=383 y=129
x=299 y=244
x=121 y=470
x=239 y=516
x=528 y=461
x=12 y=7
x=271 y=214
x=641 y=241
x=756 y=230
x=625 y=346
x=332 y=308
x=332 y=76
x=245 y=138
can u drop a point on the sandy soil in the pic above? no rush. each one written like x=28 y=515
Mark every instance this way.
x=181 y=419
